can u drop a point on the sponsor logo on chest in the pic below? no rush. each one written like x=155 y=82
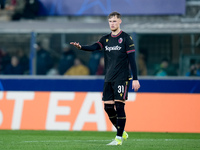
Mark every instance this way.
x=113 y=48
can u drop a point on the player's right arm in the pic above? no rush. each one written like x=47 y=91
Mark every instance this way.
x=77 y=45
x=92 y=47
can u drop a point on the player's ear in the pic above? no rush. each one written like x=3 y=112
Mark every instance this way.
x=120 y=21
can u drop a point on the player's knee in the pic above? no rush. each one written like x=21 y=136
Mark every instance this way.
x=120 y=109
x=109 y=108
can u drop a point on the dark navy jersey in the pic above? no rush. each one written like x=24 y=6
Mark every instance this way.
x=116 y=49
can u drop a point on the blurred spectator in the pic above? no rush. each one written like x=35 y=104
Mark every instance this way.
x=100 y=69
x=166 y=69
x=194 y=70
x=6 y=9
x=67 y=59
x=27 y=9
x=142 y=65
x=4 y=60
x=44 y=61
x=23 y=61
x=94 y=62
x=53 y=71
x=78 y=68
x=163 y=68
x=10 y=4
x=2 y=4
x=14 y=68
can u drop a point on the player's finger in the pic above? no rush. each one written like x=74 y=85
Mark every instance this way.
x=73 y=43
x=136 y=88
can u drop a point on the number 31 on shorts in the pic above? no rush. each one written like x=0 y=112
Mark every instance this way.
x=120 y=88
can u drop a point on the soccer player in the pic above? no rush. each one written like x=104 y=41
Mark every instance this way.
x=119 y=52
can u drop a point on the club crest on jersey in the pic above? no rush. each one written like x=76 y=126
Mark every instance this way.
x=120 y=40
x=106 y=40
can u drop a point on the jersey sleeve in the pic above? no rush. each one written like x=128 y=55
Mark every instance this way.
x=101 y=42
x=92 y=47
x=130 y=47
x=130 y=50
x=96 y=46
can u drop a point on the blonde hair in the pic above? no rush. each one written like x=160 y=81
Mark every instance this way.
x=112 y=14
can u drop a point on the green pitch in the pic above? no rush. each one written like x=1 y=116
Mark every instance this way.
x=77 y=140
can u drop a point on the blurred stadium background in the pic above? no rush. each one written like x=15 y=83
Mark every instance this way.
x=162 y=31
x=167 y=39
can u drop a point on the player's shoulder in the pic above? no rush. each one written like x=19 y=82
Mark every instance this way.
x=104 y=37
x=125 y=34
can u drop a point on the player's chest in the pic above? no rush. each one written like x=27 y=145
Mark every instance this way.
x=115 y=45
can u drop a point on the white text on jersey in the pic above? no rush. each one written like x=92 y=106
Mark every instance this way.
x=114 y=48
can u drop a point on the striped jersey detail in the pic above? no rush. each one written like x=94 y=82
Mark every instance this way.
x=125 y=92
x=100 y=44
x=130 y=51
x=117 y=34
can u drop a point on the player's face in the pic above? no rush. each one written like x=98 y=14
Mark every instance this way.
x=114 y=23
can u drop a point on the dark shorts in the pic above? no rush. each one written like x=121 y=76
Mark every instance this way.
x=117 y=90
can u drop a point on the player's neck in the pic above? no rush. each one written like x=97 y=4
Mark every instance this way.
x=116 y=31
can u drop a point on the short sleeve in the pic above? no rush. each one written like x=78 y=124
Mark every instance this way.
x=130 y=46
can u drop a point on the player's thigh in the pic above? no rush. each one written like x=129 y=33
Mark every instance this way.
x=108 y=94
x=121 y=90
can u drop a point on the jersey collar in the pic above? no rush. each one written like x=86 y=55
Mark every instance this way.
x=117 y=34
